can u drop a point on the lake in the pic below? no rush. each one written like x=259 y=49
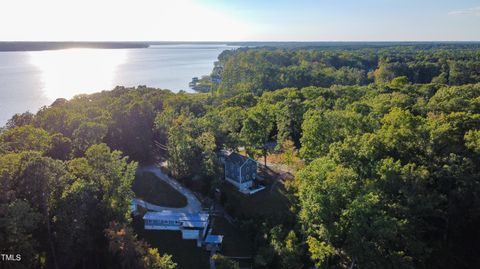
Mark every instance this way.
x=31 y=79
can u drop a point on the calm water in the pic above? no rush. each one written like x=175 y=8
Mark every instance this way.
x=29 y=80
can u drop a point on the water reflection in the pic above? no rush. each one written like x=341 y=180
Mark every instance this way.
x=65 y=73
x=29 y=80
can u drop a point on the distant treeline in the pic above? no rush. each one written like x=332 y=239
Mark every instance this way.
x=35 y=46
x=262 y=69
x=353 y=44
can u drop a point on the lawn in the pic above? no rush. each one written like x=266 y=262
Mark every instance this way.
x=269 y=203
x=185 y=252
x=235 y=243
x=150 y=188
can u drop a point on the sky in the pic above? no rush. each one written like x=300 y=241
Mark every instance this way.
x=239 y=20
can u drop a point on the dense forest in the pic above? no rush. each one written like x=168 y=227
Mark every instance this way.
x=384 y=142
x=260 y=70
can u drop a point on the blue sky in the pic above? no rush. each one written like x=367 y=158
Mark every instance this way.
x=357 y=20
x=237 y=20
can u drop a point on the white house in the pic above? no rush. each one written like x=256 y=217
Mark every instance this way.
x=192 y=225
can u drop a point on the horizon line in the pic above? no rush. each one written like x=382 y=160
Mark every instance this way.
x=243 y=41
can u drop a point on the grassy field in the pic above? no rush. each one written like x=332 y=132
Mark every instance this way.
x=149 y=188
x=185 y=252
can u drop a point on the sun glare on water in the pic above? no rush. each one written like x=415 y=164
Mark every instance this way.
x=66 y=73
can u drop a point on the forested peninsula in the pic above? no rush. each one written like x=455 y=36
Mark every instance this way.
x=383 y=145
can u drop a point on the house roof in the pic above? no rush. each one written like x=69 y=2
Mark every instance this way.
x=236 y=158
x=194 y=224
x=176 y=216
x=215 y=239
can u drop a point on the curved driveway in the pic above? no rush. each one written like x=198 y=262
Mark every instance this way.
x=193 y=204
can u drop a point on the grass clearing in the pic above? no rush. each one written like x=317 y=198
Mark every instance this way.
x=148 y=187
x=235 y=243
x=271 y=202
